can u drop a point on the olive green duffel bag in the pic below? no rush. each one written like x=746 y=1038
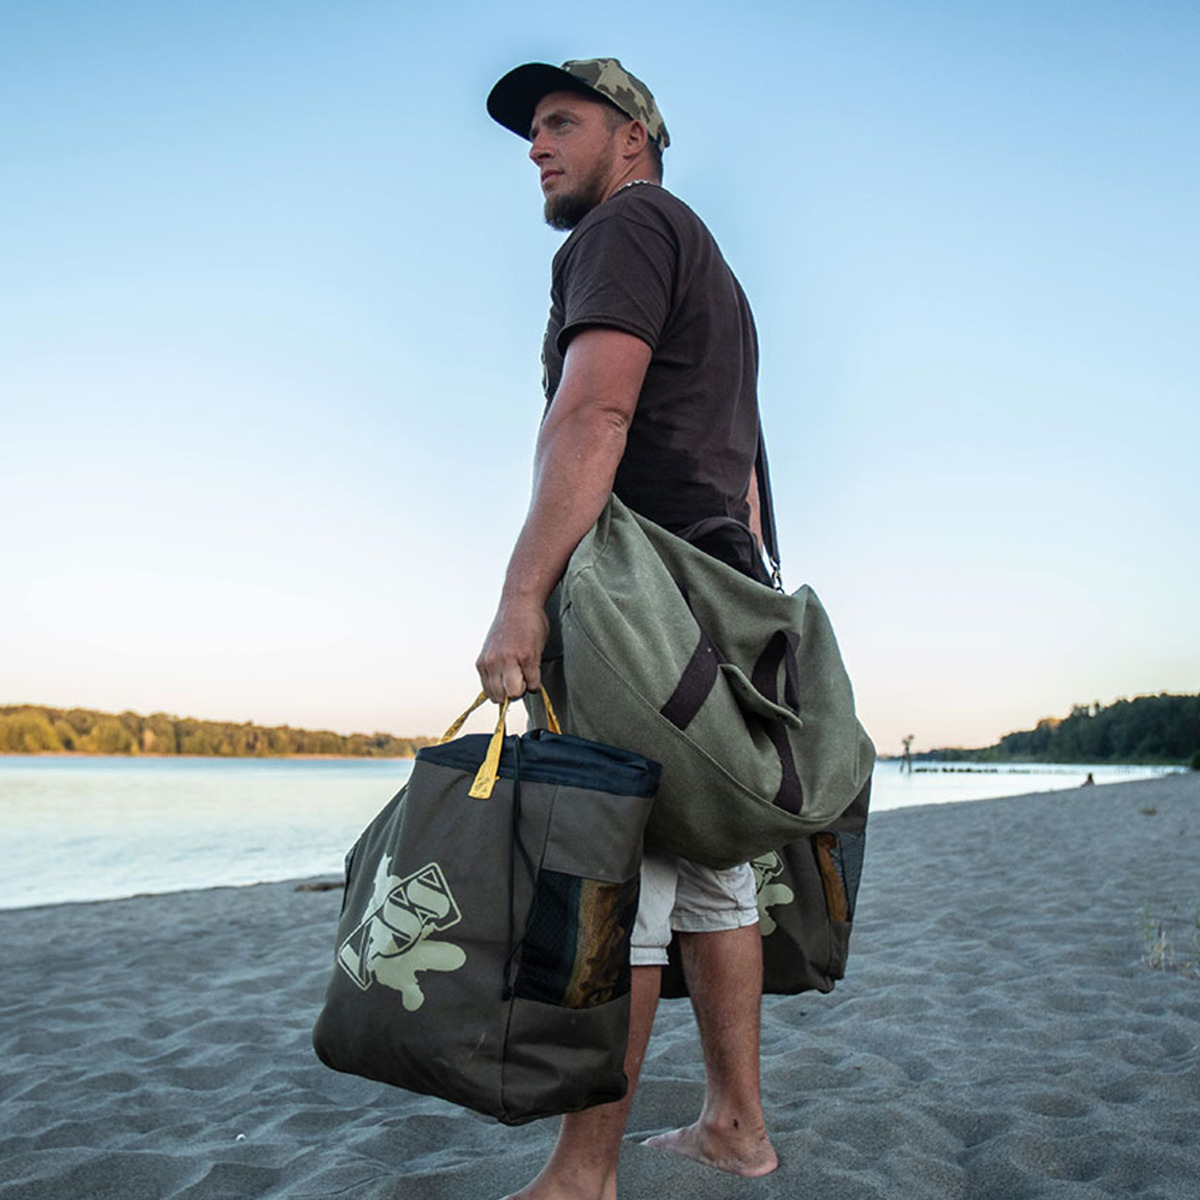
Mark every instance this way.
x=737 y=689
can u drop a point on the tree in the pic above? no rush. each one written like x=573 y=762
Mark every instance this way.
x=109 y=736
x=27 y=733
x=31 y=729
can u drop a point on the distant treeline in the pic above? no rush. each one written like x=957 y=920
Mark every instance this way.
x=1156 y=730
x=30 y=729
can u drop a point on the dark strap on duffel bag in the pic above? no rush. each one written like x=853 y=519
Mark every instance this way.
x=766 y=510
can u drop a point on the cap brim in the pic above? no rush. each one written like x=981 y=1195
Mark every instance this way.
x=513 y=100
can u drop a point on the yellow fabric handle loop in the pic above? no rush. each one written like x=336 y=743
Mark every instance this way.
x=453 y=730
x=485 y=777
x=489 y=770
x=551 y=716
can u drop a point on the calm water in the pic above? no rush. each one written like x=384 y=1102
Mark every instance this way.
x=98 y=828
x=95 y=828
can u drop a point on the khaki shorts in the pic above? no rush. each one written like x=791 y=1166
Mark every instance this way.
x=680 y=895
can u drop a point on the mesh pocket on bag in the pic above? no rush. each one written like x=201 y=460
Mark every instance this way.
x=840 y=858
x=575 y=952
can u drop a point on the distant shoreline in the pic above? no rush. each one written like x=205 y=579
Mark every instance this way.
x=920 y=764
x=949 y=765
x=39 y=729
x=984 y=766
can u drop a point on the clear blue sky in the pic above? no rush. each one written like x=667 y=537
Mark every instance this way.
x=274 y=287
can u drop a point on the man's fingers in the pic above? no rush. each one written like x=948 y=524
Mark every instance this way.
x=514 y=682
x=510 y=681
x=533 y=677
x=485 y=678
x=491 y=679
x=510 y=663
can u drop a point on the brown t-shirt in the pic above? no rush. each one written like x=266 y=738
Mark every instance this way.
x=644 y=262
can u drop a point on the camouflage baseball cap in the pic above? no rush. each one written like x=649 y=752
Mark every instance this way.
x=513 y=100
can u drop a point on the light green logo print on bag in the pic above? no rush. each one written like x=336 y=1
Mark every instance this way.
x=769 y=894
x=393 y=941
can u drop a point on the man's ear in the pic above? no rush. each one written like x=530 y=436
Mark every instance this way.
x=634 y=140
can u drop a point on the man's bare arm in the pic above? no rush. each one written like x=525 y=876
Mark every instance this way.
x=755 y=512
x=578 y=451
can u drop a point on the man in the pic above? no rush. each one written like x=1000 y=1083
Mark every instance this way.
x=650 y=366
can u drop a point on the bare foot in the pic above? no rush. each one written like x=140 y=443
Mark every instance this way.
x=532 y=1192
x=548 y=1186
x=735 y=1151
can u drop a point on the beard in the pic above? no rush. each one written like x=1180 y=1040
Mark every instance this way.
x=564 y=210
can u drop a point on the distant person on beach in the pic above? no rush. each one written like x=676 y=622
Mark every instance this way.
x=650 y=366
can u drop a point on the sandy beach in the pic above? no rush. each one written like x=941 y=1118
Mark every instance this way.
x=1000 y=1035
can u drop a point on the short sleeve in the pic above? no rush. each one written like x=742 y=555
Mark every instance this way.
x=620 y=272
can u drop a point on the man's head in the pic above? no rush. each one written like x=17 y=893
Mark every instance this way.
x=593 y=126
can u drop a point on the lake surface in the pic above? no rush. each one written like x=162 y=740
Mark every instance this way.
x=82 y=828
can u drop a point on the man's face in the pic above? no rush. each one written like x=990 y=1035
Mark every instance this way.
x=574 y=149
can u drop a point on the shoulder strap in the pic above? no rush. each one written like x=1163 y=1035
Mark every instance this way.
x=766 y=510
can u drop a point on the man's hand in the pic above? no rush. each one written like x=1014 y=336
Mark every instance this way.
x=510 y=663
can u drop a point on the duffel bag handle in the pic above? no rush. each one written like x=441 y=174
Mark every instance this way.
x=485 y=777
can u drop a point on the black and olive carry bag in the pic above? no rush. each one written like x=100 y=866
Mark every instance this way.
x=482 y=953
x=806 y=893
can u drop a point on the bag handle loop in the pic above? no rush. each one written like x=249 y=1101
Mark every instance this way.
x=485 y=777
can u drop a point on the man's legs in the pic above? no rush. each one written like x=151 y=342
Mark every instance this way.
x=583 y=1165
x=724 y=976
